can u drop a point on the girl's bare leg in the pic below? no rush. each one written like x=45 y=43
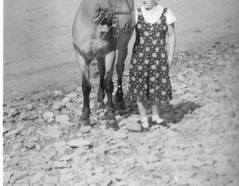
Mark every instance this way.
x=155 y=111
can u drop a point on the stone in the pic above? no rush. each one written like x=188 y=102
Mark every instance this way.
x=34 y=139
x=6 y=130
x=59 y=144
x=38 y=147
x=66 y=177
x=134 y=126
x=66 y=100
x=53 y=132
x=29 y=107
x=101 y=149
x=60 y=164
x=17 y=146
x=30 y=145
x=57 y=93
x=37 y=177
x=151 y=158
x=72 y=95
x=13 y=179
x=48 y=116
x=79 y=142
x=14 y=132
x=85 y=129
x=121 y=135
x=14 y=112
x=6 y=177
x=50 y=179
x=66 y=158
x=130 y=161
x=165 y=178
x=62 y=118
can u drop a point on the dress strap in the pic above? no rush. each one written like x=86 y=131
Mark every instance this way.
x=164 y=11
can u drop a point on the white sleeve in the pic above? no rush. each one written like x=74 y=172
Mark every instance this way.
x=136 y=16
x=170 y=17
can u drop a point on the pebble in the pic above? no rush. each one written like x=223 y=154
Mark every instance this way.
x=53 y=132
x=61 y=164
x=17 y=146
x=34 y=139
x=6 y=177
x=134 y=126
x=79 y=142
x=151 y=158
x=59 y=144
x=85 y=129
x=72 y=95
x=14 y=132
x=51 y=179
x=48 y=116
x=14 y=112
x=37 y=177
x=62 y=118
x=165 y=178
x=6 y=130
x=101 y=149
x=121 y=135
x=66 y=100
x=30 y=145
x=30 y=107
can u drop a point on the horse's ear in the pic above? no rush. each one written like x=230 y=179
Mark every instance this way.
x=103 y=4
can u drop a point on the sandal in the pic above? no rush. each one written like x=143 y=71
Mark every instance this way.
x=161 y=122
x=144 y=125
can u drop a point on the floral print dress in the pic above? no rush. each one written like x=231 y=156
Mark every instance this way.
x=149 y=69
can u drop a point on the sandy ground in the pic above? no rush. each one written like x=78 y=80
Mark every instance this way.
x=37 y=38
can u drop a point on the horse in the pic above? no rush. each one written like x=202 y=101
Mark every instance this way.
x=100 y=28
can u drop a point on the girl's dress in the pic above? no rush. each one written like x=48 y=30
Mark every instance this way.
x=149 y=69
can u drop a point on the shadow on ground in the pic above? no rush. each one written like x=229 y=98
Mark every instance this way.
x=169 y=112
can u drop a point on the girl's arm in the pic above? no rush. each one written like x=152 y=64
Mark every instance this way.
x=171 y=43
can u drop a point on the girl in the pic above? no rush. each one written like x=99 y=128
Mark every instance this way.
x=152 y=58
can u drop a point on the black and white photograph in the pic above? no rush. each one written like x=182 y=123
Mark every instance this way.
x=120 y=93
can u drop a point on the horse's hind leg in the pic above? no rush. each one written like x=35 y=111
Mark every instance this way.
x=86 y=88
x=119 y=101
x=101 y=93
x=108 y=83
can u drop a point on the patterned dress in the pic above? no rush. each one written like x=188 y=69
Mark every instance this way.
x=149 y=69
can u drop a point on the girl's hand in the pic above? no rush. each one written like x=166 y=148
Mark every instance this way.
x=170 y=61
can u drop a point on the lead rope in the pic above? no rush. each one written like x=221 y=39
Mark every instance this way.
x=96 y=41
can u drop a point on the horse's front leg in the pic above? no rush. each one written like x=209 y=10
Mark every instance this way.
x=108 y=84
x=119 y=101
x=101 y=92
x=84 y=66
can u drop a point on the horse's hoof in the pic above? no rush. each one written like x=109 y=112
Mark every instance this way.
x=112 y=124
x=120 y=106
x=81 y=124
x=84 y=122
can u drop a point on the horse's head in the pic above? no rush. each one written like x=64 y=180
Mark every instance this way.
x=120 y=12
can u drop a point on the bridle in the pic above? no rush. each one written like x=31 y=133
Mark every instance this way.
x=110 y=14
x=114 y=11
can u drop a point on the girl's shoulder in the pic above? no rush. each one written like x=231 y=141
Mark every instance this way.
x=170 y=16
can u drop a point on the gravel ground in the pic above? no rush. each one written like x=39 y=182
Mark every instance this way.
x=44 y=145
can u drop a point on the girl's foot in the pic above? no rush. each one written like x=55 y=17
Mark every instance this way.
x=159 y=121
x=145 y=122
